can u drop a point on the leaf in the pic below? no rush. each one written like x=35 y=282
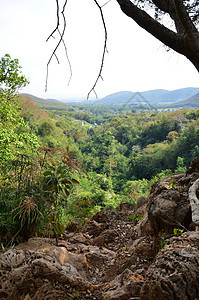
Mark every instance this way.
x=65 y=181
x=47 y=173
x=67 y=192
x=3 y=248
x=75 y=181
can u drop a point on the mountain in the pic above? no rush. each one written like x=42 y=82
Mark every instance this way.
x=47 y=104
x=153 y=96
x=38 y=100
x=190 y=102
x=170 y=96
x=176 y=98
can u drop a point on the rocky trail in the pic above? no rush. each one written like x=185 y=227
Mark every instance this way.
x=116 y=255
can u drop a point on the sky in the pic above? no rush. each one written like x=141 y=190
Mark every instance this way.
x=135 y=61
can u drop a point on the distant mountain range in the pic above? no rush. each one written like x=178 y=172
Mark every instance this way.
x=186 y=97
x=154 y=96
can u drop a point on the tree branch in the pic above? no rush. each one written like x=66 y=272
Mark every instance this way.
x=69 y=63
x=51 y=35
x=104 y=50
x=144 y=20
x=163 y=5
x=186 y=21
x=59 y=42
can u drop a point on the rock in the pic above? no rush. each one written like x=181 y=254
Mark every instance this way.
x=194 y=202
x=175 y=271
x=93 y=228
x=124 y=286
x=104 y=216
x=97 y=258
x=125 y=206
x=141 y=201
x=100 y=217
x=144 y=227
x=142 y=247
x=105 y=237
x=169 y=207
x=113 y=256
x=78 y=238
x=31 y=273
x=118 y=266
x=194 y=166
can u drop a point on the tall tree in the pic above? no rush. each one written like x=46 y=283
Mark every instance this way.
x=15 y=134
x=182 y=36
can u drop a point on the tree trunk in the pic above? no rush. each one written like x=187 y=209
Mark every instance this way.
x=185 y=40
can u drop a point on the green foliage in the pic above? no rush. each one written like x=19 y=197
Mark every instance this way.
x=172 y=184
x=180 y=167
x=163 y=242
x=136 y=218
x=34 y=193
x=81 y=208
x=178 y=231
x=123 y=155
x=15 y=134
x=45 y=129
x=11 y=78
x=135 y=189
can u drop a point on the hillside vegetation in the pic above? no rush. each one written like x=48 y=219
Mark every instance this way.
x=113 y=157
x=62 y=164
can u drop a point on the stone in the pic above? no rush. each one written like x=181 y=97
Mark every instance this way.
x=113 y=256
x=93 y=228
x=105 y=237
x=125 y=207
x=141 y=201
x=194 y=166
x=194 y=202
x=144 y=227
x=28 y=272
x=169 y=207
x=124 y=286
x=175 y=272
x=142 y=247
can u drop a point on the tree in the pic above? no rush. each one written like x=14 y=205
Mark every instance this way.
x=11 y=77
x=182 y=36
x=184 y=39
x=14 y=132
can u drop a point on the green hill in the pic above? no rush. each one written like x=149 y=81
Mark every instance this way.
x=47 y=104
x=155 y=97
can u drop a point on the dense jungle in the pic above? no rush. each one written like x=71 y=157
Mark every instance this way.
x=93 y=200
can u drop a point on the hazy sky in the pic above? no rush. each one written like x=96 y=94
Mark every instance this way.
x=135 y=61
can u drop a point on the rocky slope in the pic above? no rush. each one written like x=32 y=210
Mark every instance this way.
x=115 y=256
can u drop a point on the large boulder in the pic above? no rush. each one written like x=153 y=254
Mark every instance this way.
x=30 y=273
x=125 y=286
x=169 y=206
x=175 y=272
x=39 y=269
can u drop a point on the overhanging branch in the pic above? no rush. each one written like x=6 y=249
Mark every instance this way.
x=104 y=50
x=159 y=31
x=61 y=34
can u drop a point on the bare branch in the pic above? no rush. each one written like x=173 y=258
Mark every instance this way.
x=66 y=51
x=105 y=3
x=59 y=42
x=104 y=50
x=56 y=58
x=51 y=35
